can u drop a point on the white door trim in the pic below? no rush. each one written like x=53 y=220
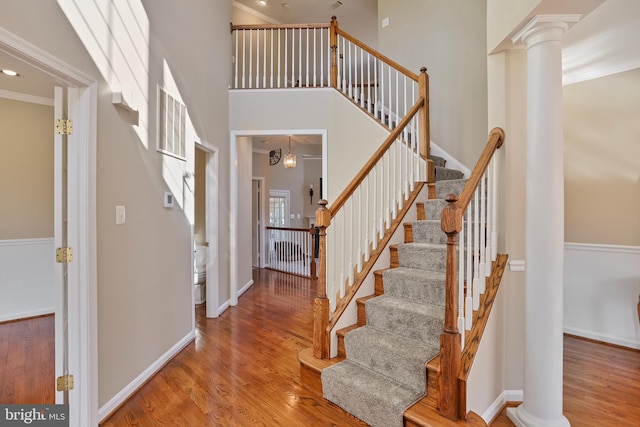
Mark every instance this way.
x=213 y=252
x=83 y=330
x=233 y=192
x=263 y=215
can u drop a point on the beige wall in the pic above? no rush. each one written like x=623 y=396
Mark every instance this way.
x=449 y=38
x=144 y=266
x=26 y=170
x=602 y=160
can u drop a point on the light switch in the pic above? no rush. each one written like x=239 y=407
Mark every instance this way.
x=120 y=215
x=385 y=22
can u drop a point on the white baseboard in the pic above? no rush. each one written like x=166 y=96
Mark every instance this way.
x=26 y=314
x=245 y=288
x=506 y=396
x=141 y=379
x=224 y=307
x=603 y=337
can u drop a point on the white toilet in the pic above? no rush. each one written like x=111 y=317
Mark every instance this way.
x=200 y=274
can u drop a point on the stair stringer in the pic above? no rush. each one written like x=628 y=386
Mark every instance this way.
x=350 y=314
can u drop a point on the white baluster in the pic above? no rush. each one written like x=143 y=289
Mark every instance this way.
x=300 y=57
x=482 y=277
x=286 y=54
x=476 y=251
x=315 y=55
x=271 y=72
x=367 y=246
x=369 y=103
x=236 y=60
x=468 y=263
x=307 y=59
x=362 y=92
x=374 y=237
x=461 y=297
x=244 y=57
x=382 y=210
x=359 y=228
x=264 y=59
x=487 y=253
x=494 y=202
x=344 y=237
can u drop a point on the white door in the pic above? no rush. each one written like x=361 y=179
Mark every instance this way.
x=61 y=240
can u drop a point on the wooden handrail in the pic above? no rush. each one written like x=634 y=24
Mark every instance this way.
x=286 y=228
x=496 y=139
x=278 y=26
x=355 y=182
x=451 y=397
x=378 y=55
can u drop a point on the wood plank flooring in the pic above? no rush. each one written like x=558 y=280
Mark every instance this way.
x=27 y=361
x=242 y=370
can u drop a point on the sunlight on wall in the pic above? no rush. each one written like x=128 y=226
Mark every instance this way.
x=116 y=35
x=176 y=172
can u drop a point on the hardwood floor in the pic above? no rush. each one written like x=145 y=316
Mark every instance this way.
x=242 y=370
x=601 y=385
x=27 y=356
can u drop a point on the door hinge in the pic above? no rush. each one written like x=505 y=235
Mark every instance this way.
x=64 y=383
x=64 y=127
x=64 y=255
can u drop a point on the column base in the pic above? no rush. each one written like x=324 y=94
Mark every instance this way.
x=521 y=418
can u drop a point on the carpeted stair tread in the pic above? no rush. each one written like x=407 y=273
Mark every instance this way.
x=449 y=186
x=433 y=208
x=420 y=322
x=428 y=231
x=415 y=285
x=423 y=256
x=443 y=174
x=392 y=355
x=438 y=161
x=376 y=399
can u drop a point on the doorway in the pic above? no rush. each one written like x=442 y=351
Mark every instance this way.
x=81 y=355
x=205 y=229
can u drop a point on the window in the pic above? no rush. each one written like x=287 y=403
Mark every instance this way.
x=278 y=208
x=172 y=120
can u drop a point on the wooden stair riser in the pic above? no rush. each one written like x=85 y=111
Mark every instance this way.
x=394 y=260
x=378 y=284
x=408 y=232
x=422 y=215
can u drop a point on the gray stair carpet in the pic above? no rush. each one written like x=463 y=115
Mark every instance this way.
x=384 y=372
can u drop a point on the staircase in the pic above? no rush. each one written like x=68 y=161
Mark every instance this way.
x=398 y=331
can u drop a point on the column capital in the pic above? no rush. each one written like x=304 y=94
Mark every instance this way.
x=542 y=28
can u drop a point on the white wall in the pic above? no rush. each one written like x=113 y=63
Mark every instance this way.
x=144 y=266
x=26 y=282
x=601 y=287
x=352 y=136
x=449 y=38
x=245 y=244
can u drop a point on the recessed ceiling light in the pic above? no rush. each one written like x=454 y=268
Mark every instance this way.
x=285 y=5
x=262 y=2
x=9 y=73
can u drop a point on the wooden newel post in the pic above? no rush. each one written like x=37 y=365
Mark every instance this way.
x=450 y=340
x=314 y=251
x=425 y=131
x=321 y=343
x=333 y=43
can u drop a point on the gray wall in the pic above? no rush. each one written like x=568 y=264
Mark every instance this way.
x=449 y=38
x=144 y=266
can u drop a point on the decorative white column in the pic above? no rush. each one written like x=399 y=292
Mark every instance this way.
x=544 y=247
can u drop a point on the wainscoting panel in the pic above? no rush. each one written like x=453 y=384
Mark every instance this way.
x=601 y=288
x=26 y=278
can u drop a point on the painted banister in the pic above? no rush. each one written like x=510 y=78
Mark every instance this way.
x=470 y=216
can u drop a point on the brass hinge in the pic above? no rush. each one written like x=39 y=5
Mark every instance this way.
x=64 y=127
x=64 y=383
x=64 y=255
